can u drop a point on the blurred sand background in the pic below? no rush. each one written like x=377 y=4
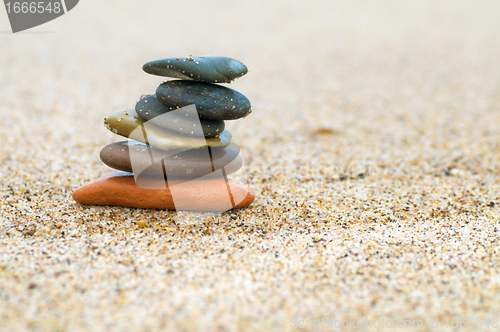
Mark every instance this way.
x=373 y=148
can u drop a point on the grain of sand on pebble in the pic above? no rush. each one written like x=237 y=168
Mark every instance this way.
x=373 y=148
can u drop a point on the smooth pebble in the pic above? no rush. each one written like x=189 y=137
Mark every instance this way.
x=127 y=123
x=191 y=163
x=197 y=195
x=208 y=69
x=149 y=107
x=213 y=102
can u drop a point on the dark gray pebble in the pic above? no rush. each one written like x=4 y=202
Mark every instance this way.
x=149 y=107
x=209 y=69
x=213 y=102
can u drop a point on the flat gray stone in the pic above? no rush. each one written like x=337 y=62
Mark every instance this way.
x=192 y=163
x=208 y=69
x=213 y=102
x=149 y=107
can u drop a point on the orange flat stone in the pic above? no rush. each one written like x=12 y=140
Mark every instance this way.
x=196 y=195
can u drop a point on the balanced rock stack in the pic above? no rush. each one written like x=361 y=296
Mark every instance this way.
x=179 y=153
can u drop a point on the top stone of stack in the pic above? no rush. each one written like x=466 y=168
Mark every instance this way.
x=207 y=69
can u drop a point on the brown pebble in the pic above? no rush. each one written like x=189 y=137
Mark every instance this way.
x=191 y=163
x=197 y=195
x=141 y=224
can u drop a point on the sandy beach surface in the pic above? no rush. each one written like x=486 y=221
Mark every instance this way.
x=373 y=149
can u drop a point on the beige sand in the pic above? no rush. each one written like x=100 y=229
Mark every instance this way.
x=373 y=149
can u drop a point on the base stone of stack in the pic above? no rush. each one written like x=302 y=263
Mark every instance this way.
x=198 y=195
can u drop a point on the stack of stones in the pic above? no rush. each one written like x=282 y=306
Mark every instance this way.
x=179 y=153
